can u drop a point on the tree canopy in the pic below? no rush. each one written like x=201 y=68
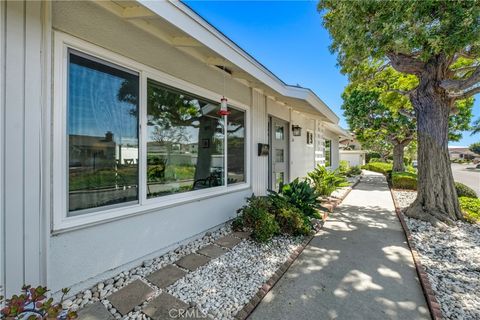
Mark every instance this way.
x=437 y=42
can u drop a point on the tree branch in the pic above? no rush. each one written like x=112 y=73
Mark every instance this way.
x=402 y=92
x=405 y=63
x=406 y=113
x=461 y=84
x=465 y=94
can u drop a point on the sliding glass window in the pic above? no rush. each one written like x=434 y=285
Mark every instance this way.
x=102 y=112
x=185 y=142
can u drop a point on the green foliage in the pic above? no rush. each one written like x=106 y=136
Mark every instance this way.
x=475 y=147
x=326 y=181
x=34 y=301
x=299 y=194
x=269 y=216
x=470 y=208
x=465 y=191
x=371 y=155
x=343 y=167
x=377 y=29
x=256 y=216
x=404 y=180
x=292 y=221
x=354 y=171
x=380 y=167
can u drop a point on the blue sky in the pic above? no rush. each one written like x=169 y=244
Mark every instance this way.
x=289 y=39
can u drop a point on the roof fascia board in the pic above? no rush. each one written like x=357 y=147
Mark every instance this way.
x=188 y=21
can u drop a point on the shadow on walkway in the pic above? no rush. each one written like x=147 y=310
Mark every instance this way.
x=358 y=266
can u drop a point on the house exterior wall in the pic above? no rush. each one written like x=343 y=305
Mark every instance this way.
x=259 y=121
x=20 y=155
x=353 y=158
x=31 y=252
x=88 y=21
x=302 y=158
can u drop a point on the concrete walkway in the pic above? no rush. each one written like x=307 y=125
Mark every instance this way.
x=357 y=267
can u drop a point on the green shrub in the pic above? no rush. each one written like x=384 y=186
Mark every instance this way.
x=326 y=181
x=371 y=155
x=354 y=171
x=299 y=194
x=410 y=169
x=292 y=221
x=269 y=216
x=364 y=167
x=404 y=180
x=380 y=167
x=256 y=216
x=265 y=227
x=375 y=160
x=343 y=167
x=470 y=208
x=465 y=191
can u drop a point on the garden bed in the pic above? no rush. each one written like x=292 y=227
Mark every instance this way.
x=451 y=259
x=219 y=289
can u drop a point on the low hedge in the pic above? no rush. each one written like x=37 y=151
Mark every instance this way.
x=470 y=208
x=380 y=167
x=404 y=180
x=465 y=191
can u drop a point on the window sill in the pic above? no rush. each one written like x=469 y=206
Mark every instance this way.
x=150 y=205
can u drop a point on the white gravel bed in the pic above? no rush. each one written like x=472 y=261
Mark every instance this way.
x=223 y=286
x=451 y=259
x=102 y=290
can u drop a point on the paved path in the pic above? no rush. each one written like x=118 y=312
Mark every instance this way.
x=357 y=267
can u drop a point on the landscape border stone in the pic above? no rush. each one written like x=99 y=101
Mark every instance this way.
x=432 y=302
x=270 y=283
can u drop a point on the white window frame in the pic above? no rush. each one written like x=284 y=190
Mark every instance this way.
x=61 y=222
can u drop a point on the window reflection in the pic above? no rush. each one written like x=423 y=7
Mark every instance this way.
x=328 y=153
x=185 y=142
x=103 y=134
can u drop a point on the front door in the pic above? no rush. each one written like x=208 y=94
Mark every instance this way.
x=278 y=153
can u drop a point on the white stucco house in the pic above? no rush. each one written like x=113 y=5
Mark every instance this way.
x=352 y=152
x=113 y=146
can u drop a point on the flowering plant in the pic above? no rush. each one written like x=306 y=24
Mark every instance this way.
x=33 y=304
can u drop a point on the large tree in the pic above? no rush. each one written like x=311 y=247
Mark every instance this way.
x=439 y=43
x=365 y=112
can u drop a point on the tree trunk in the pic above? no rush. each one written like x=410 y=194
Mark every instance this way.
x=398 y=151
x=437 y=199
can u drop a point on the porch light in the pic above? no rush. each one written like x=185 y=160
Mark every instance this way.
x=296 y=130
x=223 y=107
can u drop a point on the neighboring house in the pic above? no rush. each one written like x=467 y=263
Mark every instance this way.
x=461 y=153
x=113 y=149
x=351 y=151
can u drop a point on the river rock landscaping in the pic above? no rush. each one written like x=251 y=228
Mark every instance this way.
x=214 y=276
x=451 y=259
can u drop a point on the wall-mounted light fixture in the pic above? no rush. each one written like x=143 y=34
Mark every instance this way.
x=296 y=130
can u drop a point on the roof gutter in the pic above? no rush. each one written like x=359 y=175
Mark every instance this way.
x=191 y=23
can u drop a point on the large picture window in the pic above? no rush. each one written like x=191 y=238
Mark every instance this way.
x=185 y=142
x=128 y=139
x=102 y=111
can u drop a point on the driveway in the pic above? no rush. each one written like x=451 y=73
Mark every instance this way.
x=470 y=178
